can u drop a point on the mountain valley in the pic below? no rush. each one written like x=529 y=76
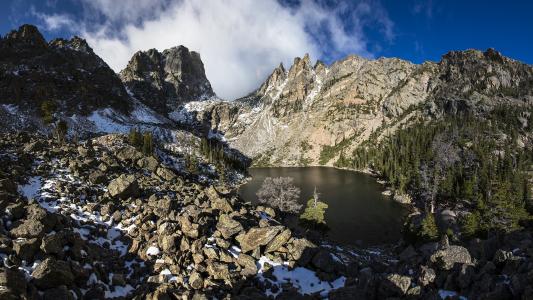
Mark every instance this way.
x=125 y=185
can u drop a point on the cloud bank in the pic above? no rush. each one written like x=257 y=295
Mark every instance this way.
x=240 y=41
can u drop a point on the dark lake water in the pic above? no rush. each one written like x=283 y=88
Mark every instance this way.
x=357 y=212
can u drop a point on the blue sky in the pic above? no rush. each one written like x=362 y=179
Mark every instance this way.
x=254 y=36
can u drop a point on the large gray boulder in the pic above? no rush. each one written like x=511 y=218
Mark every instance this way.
x=123 y=187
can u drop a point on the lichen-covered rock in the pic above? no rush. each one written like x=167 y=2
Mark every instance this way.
x=149 y=163
x=278 y=241
x=123 y=187
x=394 y=285
x=448 y=257
x=257 y=236
x=228 y=227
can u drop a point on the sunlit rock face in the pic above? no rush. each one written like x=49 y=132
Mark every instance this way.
x=295 y=113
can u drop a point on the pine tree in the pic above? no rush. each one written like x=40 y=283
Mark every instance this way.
x=314 y=213
x=135 y=138
x=428 y=228
x=48 y=109
x=148 y=144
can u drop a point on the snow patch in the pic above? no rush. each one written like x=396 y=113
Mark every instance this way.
x=11 y=108
x=152 y=251
x=32 y=188
x=443 y=294
x=104 y=122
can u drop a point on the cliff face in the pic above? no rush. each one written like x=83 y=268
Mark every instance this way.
x=296 y=113
x=165 y=80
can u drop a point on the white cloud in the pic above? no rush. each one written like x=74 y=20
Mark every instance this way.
x=240 y=41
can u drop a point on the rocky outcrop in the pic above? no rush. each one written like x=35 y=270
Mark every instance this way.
x=165 y=80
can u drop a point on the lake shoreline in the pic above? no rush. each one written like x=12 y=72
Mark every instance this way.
x=404 y=199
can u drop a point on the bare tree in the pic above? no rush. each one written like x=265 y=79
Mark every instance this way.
x=280 y=193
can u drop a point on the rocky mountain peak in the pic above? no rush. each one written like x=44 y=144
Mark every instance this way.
x=275 y=80
x=66 y=73
x=76 y=43
x=300 y=65
x=28 y=35
x=165 y=80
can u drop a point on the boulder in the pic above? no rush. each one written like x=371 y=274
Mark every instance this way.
x=394 y=285
x=28 y=229
x=148 y=163
x=218 y=270
x=248 y=264
x=258 y=236
x=123 y=187
x=129 y=154
x=52 y=273
x=301 y=250
x=448 y=257
x=25 y=248
x=14 y=282
x=324 y=261
x=278 y=241
x=228 y=227
x=221 y=204
x=37 y=223
x=408 y=254
x=196 y=281
x=189 y=229
x=427 y=275
x=501 y=256
x=33 y=147
x=60 y=292
x=8 y=185
x=168 y=242
x=97 y=177
x=165 y=174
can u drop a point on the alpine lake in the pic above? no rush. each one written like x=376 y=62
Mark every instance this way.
x=358 y=213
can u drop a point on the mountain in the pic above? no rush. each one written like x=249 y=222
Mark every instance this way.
x=298 y=114
x=165 y=80
x=65 y=73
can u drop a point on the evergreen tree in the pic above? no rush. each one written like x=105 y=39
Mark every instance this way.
x=148 y=144
x=48 y=109
x=314 y=213
x=428 y=228
x=135 y=138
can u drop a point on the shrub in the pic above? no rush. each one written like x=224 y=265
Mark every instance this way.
x=280 y=193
